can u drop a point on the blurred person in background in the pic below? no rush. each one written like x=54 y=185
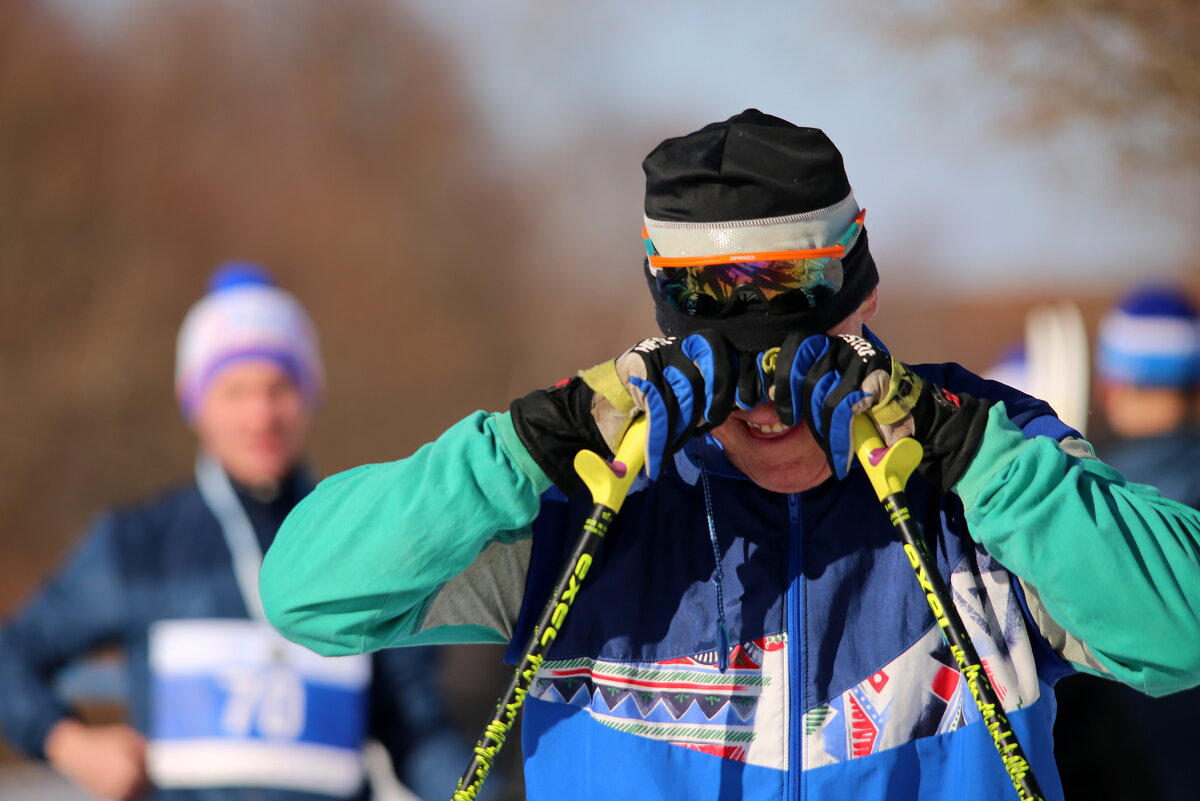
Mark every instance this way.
x=1113 y=742
x=1148 y=384
x=221 y=708
x=751 y=628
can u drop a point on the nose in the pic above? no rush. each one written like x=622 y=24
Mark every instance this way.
x=762 y=414
x=262 y=410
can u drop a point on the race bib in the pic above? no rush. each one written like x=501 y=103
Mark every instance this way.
x=234 y=704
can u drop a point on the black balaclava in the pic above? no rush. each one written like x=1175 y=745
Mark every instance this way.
x=753 y=166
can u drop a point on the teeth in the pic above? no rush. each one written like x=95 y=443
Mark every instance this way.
x=774 y=428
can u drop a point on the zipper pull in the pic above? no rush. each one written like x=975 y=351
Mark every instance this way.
x=722 y=647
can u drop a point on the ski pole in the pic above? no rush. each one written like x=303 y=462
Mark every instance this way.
x=889 y=469
x=608 y=483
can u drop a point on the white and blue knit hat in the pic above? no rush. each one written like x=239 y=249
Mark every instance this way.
x=245 y=315
x=1151 y=338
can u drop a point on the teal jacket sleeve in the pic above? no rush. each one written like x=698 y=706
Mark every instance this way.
x=1115 y=564
x=359 y=561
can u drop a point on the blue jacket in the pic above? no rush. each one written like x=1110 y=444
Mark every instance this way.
x=832 y=636
x=167 y=559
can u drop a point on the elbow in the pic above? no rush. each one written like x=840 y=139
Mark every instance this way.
x=312 y=629
x=1168 y=670
x=1178 y=667
x=1167 y=681
x=307 y=623
x=1184 y=671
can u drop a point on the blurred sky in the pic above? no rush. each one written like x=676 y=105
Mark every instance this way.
x=943 y=183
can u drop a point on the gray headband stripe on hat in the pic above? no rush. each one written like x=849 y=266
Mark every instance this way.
x=809 y=230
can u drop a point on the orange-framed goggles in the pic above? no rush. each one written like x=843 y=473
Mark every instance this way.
x=784 y=280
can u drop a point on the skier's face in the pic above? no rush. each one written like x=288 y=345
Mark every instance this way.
x=774 y=457
x=253 y=420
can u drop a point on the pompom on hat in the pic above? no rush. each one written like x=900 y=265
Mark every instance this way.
x=244 y=315
x=754 y=183
x=1151 y=338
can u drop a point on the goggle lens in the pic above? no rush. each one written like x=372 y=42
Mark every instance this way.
x=790 y=284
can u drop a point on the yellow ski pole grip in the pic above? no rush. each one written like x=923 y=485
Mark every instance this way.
x=609 y=483
x=888 y=467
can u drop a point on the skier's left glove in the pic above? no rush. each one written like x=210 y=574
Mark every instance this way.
x=684 y=387
x=826 y=380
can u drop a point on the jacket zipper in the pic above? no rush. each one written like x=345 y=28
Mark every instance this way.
x=795 y=638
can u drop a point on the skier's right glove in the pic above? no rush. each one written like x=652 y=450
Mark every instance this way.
x=684 y=386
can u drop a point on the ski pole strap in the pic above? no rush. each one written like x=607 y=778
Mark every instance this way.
x=889 y=470
x=608 y=485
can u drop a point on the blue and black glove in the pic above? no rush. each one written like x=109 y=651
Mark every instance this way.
x=685 y=386
x=826 y=380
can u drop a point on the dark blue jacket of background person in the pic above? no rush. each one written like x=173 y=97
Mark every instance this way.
x=1168 y=461
x=167 y=559
x=1145 y=745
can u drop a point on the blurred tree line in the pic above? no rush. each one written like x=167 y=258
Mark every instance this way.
x=1130 y=68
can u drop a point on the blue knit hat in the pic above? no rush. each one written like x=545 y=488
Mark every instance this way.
x=243 y=316
x=1151 y=338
